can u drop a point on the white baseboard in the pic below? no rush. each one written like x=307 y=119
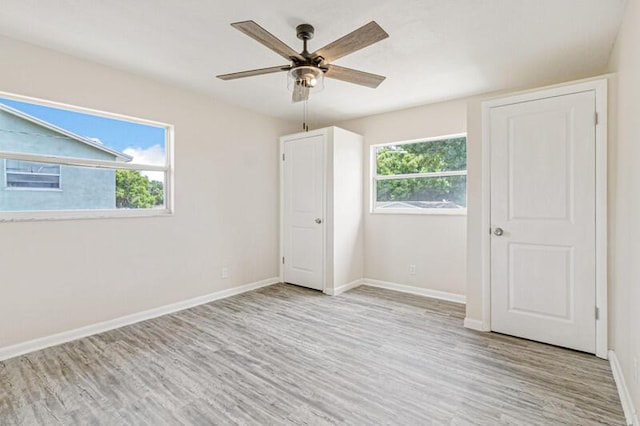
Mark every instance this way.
x=434 y=294
x=78 y=333
x=625 y=397
x=474 y=324
x=345 y=287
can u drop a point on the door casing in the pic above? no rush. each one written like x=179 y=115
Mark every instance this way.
x=599 y=87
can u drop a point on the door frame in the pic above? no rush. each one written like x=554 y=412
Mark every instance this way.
x=599 y=87
x=283 y=140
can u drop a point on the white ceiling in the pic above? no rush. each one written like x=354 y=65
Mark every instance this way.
x=437 y=49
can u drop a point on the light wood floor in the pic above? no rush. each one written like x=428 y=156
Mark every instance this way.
x=287 y=355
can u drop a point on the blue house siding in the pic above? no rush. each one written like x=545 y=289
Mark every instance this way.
x=80 y=187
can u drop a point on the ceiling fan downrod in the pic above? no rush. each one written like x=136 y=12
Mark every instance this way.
x=305 y=33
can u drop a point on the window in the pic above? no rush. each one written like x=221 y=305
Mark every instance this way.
x=68 y=162
x=424 y=176
x=29 y=175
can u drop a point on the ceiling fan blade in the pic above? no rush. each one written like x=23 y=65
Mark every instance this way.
x=354 y=76
x=264 y=37
x=242 y=74
x=300 y=93
x=356 y=40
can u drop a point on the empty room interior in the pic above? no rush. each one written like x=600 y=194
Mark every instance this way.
x=320 y=213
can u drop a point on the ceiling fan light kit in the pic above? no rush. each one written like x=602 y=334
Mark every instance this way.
x=307 y=76
x=306 y=71
x=304 y=79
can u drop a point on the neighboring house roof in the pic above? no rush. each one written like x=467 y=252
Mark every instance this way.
x=92 y=143
x=417 y=205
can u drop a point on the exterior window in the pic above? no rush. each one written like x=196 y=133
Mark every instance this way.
x=29 y=175
x=425 y=176
x=67 y=162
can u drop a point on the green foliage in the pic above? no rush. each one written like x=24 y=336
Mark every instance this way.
x=426 y=157
x=135 y=191
x=156 y=189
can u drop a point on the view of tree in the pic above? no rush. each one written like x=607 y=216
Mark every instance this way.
x=156 y=189
x=426 y=157
x=135 y=191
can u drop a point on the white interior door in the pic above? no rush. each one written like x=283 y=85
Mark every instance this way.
x=303 y=220
x=543 y=282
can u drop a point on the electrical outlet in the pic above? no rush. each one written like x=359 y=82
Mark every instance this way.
x=635 y=370
x=224 y=273
x=412 y=269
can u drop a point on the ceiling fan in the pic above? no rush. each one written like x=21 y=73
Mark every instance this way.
x=306 y=70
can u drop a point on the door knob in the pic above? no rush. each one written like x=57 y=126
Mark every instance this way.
x=498 y=232
x=318 y=220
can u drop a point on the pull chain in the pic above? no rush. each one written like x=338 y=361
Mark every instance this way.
x=305 y=113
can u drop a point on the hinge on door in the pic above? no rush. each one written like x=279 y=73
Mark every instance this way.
x=283 y=260
x=597 y=313
x=596 y=119
x=282 y=157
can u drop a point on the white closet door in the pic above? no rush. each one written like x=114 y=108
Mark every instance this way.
x=543 y=282
x=303 y=212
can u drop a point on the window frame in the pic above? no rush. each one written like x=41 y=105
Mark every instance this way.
x=374 y=178
x=38 y=215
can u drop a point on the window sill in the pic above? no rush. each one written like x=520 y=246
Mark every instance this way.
x=29 y=216
x=33 y=189
x=428 y=212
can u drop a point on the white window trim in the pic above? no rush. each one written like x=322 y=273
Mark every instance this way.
x=40 y=215
x=418 y=211
x=18 y=188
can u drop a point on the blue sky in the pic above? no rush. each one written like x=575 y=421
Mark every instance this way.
x=116 y=134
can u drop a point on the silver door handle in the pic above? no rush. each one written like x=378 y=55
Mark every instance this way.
x=498 y=232
x=318 y=220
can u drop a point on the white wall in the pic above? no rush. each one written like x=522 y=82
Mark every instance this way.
x=436 y=244
x=474 y=210
x=624 y=211
x=60 y=275
x=348 y=230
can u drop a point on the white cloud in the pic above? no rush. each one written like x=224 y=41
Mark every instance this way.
x=97 y=140
x=151 y=155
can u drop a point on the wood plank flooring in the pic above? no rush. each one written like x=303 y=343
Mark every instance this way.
x=288 y=355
